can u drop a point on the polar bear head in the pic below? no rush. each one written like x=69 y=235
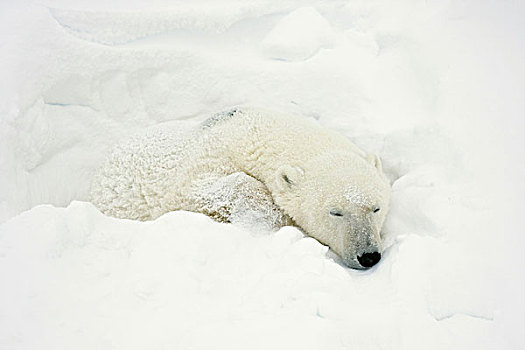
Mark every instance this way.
x=339 y=200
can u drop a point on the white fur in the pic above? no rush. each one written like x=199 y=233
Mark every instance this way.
x=295 y=167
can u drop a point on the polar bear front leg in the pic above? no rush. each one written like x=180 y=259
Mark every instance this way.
x=240 y=199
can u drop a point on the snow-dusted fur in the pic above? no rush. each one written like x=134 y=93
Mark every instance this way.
x=252 y=166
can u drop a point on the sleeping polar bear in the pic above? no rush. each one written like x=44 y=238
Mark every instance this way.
x=251 y=165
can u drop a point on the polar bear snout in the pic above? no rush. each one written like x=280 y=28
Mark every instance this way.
x=368 y=260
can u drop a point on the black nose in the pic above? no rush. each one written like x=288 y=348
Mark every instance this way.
x=369 y=259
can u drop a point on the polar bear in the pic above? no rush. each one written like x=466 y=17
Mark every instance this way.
x=249 y=165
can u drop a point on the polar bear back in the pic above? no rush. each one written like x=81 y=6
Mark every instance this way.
x=156 y=171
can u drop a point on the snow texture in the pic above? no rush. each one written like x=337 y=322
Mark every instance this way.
x=299 y=36
x=435 y=88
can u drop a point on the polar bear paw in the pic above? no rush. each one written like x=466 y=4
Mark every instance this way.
x=239 y=199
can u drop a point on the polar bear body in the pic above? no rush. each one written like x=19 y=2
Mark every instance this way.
x=252 y=163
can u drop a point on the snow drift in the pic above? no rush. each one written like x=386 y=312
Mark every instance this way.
x=435 y=89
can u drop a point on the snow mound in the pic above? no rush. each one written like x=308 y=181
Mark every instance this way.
x=79 y=279
x=117 y=28
x=299 y=36
x=421 y=84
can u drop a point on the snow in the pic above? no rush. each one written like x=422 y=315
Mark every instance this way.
x=87 y=280
x=298 y=36
x=435 y=88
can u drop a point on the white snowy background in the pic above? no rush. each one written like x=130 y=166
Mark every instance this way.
x=436 y=88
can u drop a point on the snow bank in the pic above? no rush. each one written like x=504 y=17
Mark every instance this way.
x=78 y=279
x=298 y=36
x=436 y=89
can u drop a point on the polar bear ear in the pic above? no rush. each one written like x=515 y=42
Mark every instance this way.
x=375 y=161
x=288 y=176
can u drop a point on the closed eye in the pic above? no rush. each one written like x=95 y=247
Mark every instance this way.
x=335 y=212
x=377 y=209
